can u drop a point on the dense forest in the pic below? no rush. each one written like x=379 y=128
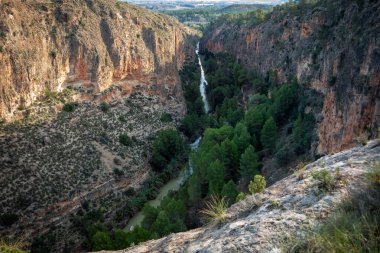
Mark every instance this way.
x=253 y=119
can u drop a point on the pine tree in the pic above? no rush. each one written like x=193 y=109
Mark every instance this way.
x=269 y=134
x=249 y=164
x=216 y=177
x=254 y=119
x=230 y=192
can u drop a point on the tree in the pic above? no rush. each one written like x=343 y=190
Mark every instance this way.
x=257 y=185
x=249 y=164
x=216 y=177
x=160 y=226
x=242 y=137
x=230 y=158
x=101 y=241
x=150 y=215
x=167 y=146
x=194 y=189
x=254 y=119
x=269 y=134
x=230 y=192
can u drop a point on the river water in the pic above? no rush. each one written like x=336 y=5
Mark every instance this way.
x=175 y=184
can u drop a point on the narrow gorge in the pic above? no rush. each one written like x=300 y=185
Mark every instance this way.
x=247 y=128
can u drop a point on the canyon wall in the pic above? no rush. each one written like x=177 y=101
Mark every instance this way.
x=333 y=47
x=88 y=45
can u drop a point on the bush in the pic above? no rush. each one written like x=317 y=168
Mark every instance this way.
x=12 y=247
x=69 y=107
x=104 y=107
x=325 y=179
x=374 y=175
x=166 y=117
x=241 y=196
x=215 y=210
x=125 y=139
x=257 y=185
x=353 y=227
x=167 y=146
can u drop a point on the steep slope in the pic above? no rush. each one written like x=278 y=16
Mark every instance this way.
x=60 y=168
x=260 y=223
x=333 y=47
x=87 y=45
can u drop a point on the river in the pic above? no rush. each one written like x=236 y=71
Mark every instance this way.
x=175 y=184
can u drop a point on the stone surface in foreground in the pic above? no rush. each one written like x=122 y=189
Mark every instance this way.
x=260 y=223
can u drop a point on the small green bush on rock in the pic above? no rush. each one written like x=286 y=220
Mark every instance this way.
x=257 y=185
x=125 y=139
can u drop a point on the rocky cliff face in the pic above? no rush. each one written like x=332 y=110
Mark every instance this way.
x=333 y=47
x=87 y=45
x=261 y=223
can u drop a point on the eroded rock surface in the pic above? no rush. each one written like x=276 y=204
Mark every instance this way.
x=261 y=222
x=333 y=48
x=87 y=45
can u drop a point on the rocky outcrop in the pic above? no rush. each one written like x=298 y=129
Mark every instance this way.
x=87 y=45
x=333 y=47
x=261 y=222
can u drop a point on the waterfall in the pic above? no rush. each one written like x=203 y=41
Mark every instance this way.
x=203 y=82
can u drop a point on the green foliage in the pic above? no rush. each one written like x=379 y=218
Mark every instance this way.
x=101 y=241
x=241 y=196
x=215 y=210
x=69 y=107
x=257 y=185
x=249 y=164
x=215 y=174
x=167 y=146
x=255 y=119
x=354 y=226
x=374 y=175
x=12 y=247
x=269 y=134
x=324 y=178
x=230 y=192
x=104 y=106
x=125 y=139
x=166 y=117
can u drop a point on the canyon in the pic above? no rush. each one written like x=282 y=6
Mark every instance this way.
x=86 y=86
x=88 y=46
x=333 y=48
x=117 y=66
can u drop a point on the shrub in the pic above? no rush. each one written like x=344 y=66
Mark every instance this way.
x=257 y=185
x=325 y=179
x=167 y=146
x=53 y=54
x=69 y=107
x=353 y=227
x=166 y=117
x=241 y=196
x=332 y=80
x=12 y=247
x=104 y=106
x=215 y=210
x=374 y=175
x=125 y=139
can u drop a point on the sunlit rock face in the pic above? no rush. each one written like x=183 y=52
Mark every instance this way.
x=88 y=45
x=333 y=48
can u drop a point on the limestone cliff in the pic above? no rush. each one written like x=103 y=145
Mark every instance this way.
x=260 y=223
x=87 y=45
x=333 y=47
